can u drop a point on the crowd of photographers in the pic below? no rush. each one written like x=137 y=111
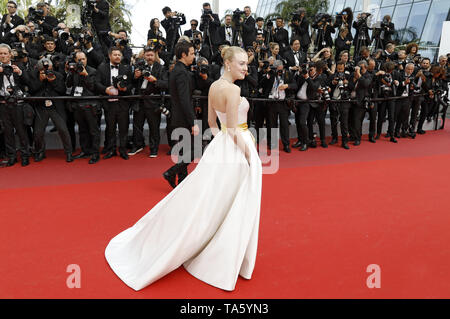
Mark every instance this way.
x=42 y=58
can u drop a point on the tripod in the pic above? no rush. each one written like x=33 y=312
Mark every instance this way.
x=362 y=39
x=208 y=34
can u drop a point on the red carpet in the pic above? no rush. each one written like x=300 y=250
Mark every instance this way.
x=326 y=215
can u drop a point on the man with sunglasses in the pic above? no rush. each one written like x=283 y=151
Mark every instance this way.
x=193 y=30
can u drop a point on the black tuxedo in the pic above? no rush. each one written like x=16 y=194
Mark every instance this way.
x=172 y=34
x=249 y=31
x=288 y=56
x=213 y=28
x=222 y=34
x=48 y=24
x=189 y=34
x=301 y=32
x=116 y=112
x=15 y=21
x=148 y=108
x=281 y=36
x=101 y=19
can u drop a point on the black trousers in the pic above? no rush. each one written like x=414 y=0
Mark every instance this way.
x=301 y=120
x=12 y=118
x=402 y=114
x=416 y=101
x=43 y=114
x=424 y=112
x=372 y=119
x=388 y=106
x=278 y=109
x=359 y=111
x=89 y=131
x=147 y=112
x=70 y=121
x=180 y=168
x=317 y=112
x=116 y=115
x=339 y=112
x=261 y=115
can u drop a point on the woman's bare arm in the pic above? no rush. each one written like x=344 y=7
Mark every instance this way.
x=212 y=116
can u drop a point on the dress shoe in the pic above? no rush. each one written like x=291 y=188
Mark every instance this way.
x=412 y=135
x=287 y=149
x=181 y=178
x=25 y=161
x=104 y=151
x=135 y=150
x=39 y=157
x=397 y=135
x=313 y=144
x=11 y=162
x=377 y=137
x=323 y=144
x=352 y=139
x=170 y=178
x=371 y=139
x=303 y=148
x=403 y=134
x=94 y=159
x=334 y=140
x=124 y=156
x=297 y=144
x=388 y=135
x=393 y=140
x=154 y=153
x=109 y=155
x=69 y=158
x=421 y=132
x=357 y=142
x=345 y=145
x=81 y=155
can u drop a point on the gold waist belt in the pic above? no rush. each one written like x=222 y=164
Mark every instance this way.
x=243 y=127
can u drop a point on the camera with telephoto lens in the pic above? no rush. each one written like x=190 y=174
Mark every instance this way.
x=325 y=93
x=12 y=94
x=203 y=69
x=142 y=66
x=163 y=110
x=19 y=49
x=304 y=69
x=322 y=18
x=237 y=14
x=35 y=15
x=205 y=16
x=120 y=80
x=122 y=42
x=295 y=16
x=387 y=77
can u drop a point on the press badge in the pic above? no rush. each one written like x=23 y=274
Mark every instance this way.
x=78 y=91
x=48 y=103
x=144 y=84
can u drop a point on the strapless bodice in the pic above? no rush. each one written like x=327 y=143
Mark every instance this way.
x=242 y=113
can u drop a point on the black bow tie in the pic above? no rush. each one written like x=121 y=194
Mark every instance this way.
x=295 y=52
x=114 y=67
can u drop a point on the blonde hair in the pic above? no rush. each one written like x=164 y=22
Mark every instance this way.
x=228 y=52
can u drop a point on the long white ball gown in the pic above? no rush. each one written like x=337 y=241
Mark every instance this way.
x=209 y=223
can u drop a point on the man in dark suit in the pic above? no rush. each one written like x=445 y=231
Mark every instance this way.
x=85 y=111
x=210 y=24
x=100 y=22
x=281 y=35
x=48 y=22
x=193 y=30
x=116 y=111
x=11 y=111
x=171 y=24
x=227 y=32
x=248 y=28
x=300 y=30
x=151 y=79
x=294 y=57
x=11 y=19
x=180 y=88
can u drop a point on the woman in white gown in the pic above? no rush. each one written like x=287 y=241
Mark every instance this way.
x=209 y=223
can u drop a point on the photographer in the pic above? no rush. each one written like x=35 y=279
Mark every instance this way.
x=309 y=82
x=98 y=10
x=260 y=27
x=114 y=78
x=382 y=35
x=343 y=41
x=300 y=29
x=361 y=85
x=389 y=53
x=41 y=16
x=150 y=78
x=405 y=89
x=154 y=33
x=344 y=20
x=210 y=24
x=322 y=24
x=275 y=85
x=47 y=82
x=361 y=38
x=326 y=56
x=372 y=108
x=422 y=76
x=193 y=30
x=50 y=53
x=340 y=90
x=12 y=81
x=121 y=41
x=81 y=82
x=388 y=84
x=294 y=57
x=437 y=93
x=201 y=48
x=280 y=35
x=11 y=19
x=171 y=24
x=248 y=28
x=90 y=47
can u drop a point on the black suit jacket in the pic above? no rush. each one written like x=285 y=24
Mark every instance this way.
x=188 y=33
x=301 y=32
x=15 y=21
x=362 y=87
x=180 y=88
x=103 y=80
x=267 y=83
x=222 y=35
x=101 y=19
x=86 y=82
x=289 y=58
x=281 y=36
x=249 y=31
x=161 y=84
x=48 y=24
x=213 y=28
